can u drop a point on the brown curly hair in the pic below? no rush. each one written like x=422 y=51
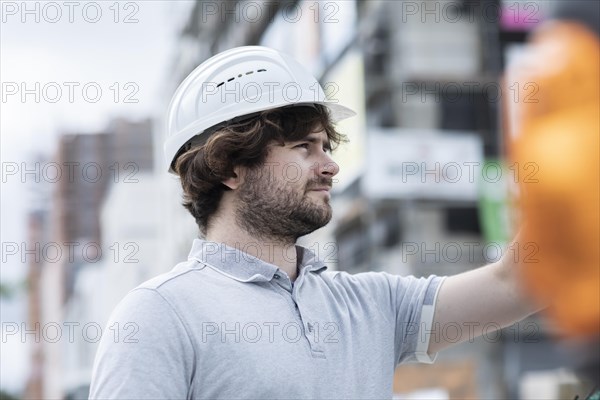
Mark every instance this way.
x=202 y=168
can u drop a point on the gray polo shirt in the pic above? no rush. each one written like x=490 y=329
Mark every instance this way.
x=226 y=325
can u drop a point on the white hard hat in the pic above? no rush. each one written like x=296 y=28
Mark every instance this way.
x=238 y=82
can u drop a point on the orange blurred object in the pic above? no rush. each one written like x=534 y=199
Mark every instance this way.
x=554 y=143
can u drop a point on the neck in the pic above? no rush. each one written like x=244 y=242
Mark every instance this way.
x=281 y=253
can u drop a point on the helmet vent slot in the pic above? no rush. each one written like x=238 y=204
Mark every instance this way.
x=240 y=75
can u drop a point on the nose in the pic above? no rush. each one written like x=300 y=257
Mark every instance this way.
x=327 y=167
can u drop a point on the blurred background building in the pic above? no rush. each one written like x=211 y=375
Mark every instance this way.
x=422 y=188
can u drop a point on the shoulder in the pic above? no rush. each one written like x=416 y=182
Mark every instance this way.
x=372 y=280
x=161 y=294
x=382 y=285
x=148 y=350
x=176 y=277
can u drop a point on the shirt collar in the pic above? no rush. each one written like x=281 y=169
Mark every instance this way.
x=241 y=266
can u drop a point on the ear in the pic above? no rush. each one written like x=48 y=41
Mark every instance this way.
x=236 y=180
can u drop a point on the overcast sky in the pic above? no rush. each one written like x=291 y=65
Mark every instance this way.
x=54 y=51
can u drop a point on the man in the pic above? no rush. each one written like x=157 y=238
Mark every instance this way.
x=251 y=314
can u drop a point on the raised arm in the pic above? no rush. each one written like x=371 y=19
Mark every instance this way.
x=486 y=297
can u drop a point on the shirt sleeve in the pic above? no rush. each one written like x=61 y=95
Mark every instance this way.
x=416 y=300
x=409 y=304
x=145 y=351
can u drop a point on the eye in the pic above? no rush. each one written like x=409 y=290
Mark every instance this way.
x=302 y=145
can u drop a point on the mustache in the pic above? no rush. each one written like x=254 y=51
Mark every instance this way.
x=320 y=181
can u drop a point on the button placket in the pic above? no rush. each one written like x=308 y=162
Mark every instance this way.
x=311 y=328
x=291 y=293
x=296 y=310
x=283 y=281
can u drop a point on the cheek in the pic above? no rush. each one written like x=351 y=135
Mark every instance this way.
x=292 y=168
x=293 y=175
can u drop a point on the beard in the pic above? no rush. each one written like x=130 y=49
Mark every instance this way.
x=272 y=209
